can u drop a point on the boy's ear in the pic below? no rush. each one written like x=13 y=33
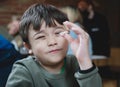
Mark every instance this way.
x=28 y=47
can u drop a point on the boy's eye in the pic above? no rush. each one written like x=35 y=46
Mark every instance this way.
x=40 y=37
x=58 y=33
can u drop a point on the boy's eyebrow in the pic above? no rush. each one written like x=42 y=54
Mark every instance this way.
x=38 y=33
x=63 y=27
x=59 y=27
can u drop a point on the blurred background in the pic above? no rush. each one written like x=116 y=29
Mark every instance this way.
x=110 y=8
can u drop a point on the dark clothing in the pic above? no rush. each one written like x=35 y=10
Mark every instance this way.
x=8 y=55
x=98 y=30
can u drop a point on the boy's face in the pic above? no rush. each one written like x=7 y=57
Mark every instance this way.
x=47 y=44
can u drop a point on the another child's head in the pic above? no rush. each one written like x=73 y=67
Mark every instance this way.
x=40 y=27
x=13 y=27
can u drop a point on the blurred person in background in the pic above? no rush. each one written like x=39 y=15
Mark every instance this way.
x=13 y=30
x=97 y=27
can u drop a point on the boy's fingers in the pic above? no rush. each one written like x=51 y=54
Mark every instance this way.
x=69 y=24
x=67 y=36
x=77 y=29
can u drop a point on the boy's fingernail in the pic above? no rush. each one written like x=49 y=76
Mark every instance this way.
x=65 y=22
x=66 y=28
x=63 y=33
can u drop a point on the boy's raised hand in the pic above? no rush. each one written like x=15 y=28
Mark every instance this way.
x=79 y=45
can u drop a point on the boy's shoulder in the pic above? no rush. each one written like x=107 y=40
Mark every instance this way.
x=28 y=61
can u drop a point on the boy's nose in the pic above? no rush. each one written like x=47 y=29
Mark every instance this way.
x=51 y=41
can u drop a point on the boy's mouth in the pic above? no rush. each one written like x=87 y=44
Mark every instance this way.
x=54 y=50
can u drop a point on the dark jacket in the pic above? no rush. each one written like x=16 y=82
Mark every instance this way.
x=98 y=29
x=8 y=55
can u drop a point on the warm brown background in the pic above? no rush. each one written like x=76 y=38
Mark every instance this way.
x=110 y=8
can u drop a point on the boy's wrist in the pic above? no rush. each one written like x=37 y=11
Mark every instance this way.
x=85 y=64
x=87 y=70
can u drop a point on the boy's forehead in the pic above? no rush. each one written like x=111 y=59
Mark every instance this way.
x=43 y=26
x=55 y=24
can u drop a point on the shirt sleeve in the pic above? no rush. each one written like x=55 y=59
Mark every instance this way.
x=89 y=79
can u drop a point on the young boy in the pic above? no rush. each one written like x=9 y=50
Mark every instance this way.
x=45 y=31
